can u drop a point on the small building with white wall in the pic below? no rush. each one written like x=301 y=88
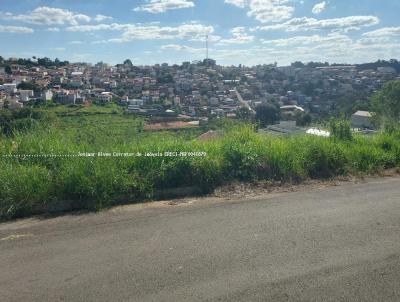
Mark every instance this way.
x=362 y=120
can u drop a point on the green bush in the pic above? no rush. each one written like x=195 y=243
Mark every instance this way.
x=341 y=130
x=324 y=158
x=240 y=154
x=23 y=188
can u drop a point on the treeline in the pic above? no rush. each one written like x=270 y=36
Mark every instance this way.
x=381 y=63
x=311 y=64
x=34 y=62
x=374 y=65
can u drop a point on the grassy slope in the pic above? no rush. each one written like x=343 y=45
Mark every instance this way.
x=242 y=154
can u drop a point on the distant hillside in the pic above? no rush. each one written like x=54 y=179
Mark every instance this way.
x=380 y=63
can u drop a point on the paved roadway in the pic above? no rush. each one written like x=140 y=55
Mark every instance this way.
x=337 y=243
x=242 y=102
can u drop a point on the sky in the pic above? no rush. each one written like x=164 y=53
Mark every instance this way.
x=248 y=32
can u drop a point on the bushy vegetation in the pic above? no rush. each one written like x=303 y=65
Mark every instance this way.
x=30 y=86
x=267 y=114
x=341 y=130
x=23 y=119
x=242 y=154
x=386 y=103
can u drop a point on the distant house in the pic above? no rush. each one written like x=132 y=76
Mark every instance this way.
x=10 y=88
x=169 y=112
x=136 y=102
x=105 y=97
x=387 y=70
x=283 y=128
x=362 y=120
x=291 y=108
x=66 y=97
x=218 y=112
x=25 y=95
x=47 y=95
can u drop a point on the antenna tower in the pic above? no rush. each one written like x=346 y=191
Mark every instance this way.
x=207 y=46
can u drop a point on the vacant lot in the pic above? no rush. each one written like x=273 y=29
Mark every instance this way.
x=40 y=166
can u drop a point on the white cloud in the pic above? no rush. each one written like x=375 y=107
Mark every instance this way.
x=80 y=57
x=161 y=6
x=183 y=48
x=385 y=31
x=238 y=3
x=385 y=35
x=16 y=29
x=319 y=8
x=48 y=16
x=239 y=36
x=333 y=48
x=375 y=40
x=192 y=31
x=131 y=32
x=309 y=40
x=310 y=24
x=76 y=42
x=97 y=27
x=265 y=10
x=53 y=29
x=101 y=18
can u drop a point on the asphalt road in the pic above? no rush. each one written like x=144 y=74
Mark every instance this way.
x=243 y=102
x=337 y=243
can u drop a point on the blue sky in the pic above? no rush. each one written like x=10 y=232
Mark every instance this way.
x=246 y=32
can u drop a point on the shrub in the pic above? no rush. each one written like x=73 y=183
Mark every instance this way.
x=324 y=158
x=23 y=188
x=341 y=130
x=240 y=153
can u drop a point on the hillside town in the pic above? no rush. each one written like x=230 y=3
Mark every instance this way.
x=199 y=89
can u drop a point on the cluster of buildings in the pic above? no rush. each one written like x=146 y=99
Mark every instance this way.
x=316 y=90
x=193 y=89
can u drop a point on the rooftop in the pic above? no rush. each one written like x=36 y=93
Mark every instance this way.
x=363 y=113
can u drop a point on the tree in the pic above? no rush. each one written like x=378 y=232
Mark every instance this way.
x=317 y=64
x=351 y=103
x=29 y=86
x=8 y=69
x=244 y=114
x=44 y=62
x=386 y=102
x=302 y=119
x=267 y=114
x=298 y=64
x=129 y=63
x=5 y=121
x=165 y=78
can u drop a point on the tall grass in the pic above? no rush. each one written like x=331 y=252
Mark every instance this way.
x=242 y=154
